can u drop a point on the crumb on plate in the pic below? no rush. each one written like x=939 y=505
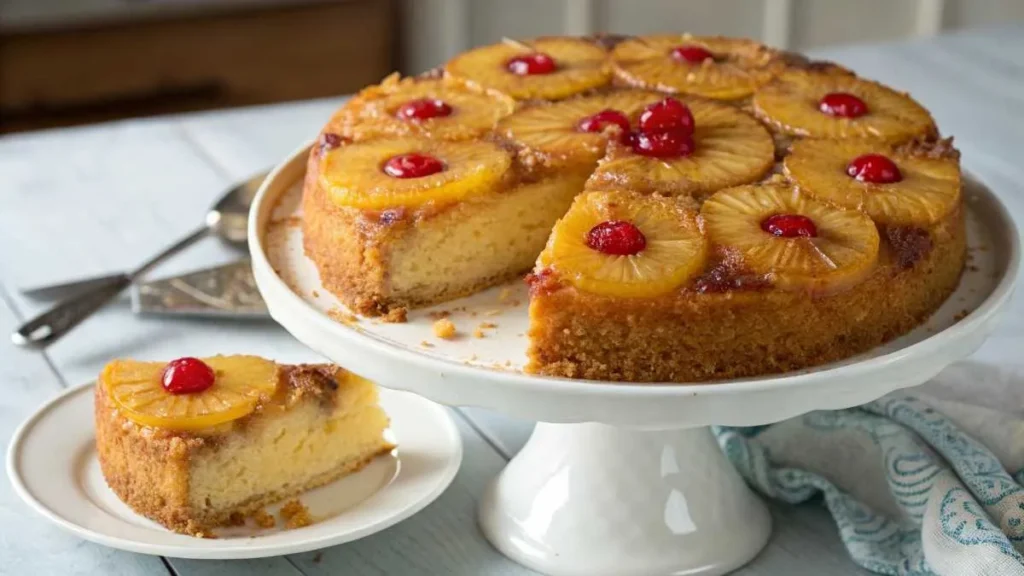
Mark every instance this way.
x=295 y=514
x=263 y=519
x=444 y=328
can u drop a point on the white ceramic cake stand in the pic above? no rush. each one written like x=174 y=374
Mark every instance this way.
x=616 y=479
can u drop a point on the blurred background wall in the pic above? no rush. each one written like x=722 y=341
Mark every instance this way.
x=66 y=62
x=436 y=29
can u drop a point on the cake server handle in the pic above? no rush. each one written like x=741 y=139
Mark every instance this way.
x=51 y=325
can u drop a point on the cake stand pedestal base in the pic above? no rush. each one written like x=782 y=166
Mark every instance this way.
x=591 y=499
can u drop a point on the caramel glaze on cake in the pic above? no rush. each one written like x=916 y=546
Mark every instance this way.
x=163 y=474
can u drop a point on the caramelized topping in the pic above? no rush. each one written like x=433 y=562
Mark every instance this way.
x=910 y=244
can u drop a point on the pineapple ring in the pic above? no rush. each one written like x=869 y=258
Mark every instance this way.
x=372 y=112
x=743 y=65
x=581 y=67
x=352 y=174
x=241 y=382
x=550 y=130
x=843 y=252
x=730 y=148
x=675 y=251
x=929 y=190
x=790 y=104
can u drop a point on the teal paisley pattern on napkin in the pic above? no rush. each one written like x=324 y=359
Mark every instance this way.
x=912 y=494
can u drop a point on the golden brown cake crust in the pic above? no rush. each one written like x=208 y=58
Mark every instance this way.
x=149 y=468
x=743 y=330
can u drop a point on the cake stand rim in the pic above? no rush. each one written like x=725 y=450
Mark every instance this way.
x=271 y=284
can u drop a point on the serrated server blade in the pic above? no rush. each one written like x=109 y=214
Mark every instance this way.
x=227 y=291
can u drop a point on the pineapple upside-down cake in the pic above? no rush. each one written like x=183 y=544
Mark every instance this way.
x=703 y=208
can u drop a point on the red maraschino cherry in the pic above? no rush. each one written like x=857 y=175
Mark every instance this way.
x=790 y=226
x=671 y=144
x=664 y=115
x=186 y=376
x=412 y=166
x=598 y=122
x=843 y=105
x=691 y=53
x=617 y=238
x=423 y=109
x=531 y=64
x=874 y=168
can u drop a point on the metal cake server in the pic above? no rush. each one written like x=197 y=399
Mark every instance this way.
x=227 y=219
x=227 y=291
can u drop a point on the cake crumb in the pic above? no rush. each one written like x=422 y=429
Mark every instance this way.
x=478 y=333
x=318 y=558
x=236 y=519
x=487 y=325
x=504 y=295
x=492 y=313
x=343 y=316
x=973 y=268
x=515 y=303
x=444 y=328
x=295 y=514
x=961 y=315
x=426 y=344
x=396 y=316
x=316 y=293
x=437 y=315
x=263 y=519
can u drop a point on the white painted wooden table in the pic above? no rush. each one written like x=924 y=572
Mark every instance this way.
x=82 y=201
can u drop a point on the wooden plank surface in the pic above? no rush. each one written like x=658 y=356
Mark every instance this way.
x=96 y=199
x=29 y=544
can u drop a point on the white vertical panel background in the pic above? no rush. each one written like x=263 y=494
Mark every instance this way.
x=434 y=30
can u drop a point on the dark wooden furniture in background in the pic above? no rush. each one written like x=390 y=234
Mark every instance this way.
x=248 y=56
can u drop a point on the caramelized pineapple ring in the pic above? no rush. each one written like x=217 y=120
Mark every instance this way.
x=734 y=69
x=929 y=187
x=354 y=175
x=579 y=65
x=449 y=109
x=797 y=242
x=793 y=102
x=673 y=246
x=550 y=133
x=730 y=148
x=239 y=383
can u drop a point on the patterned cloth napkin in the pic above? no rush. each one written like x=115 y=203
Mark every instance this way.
x=920 y=482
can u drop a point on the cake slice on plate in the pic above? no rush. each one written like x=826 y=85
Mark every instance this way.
x=198 y=443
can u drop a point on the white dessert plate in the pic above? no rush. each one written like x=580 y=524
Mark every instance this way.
x=53 y=466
